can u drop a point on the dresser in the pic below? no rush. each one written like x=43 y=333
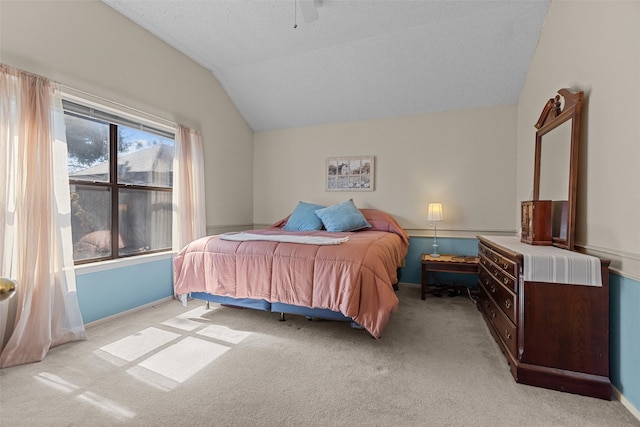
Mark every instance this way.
x=554 y=333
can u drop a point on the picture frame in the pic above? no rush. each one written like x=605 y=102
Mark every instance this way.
x=350 y=173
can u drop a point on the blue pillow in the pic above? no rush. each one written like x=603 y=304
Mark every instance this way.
x=304 y=218
x=344 y=216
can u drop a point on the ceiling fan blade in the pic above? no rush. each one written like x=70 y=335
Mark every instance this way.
x=308 y=9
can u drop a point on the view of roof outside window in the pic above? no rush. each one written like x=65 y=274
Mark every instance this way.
x=121 y=180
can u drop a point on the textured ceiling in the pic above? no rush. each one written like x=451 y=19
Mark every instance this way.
x=360 y=59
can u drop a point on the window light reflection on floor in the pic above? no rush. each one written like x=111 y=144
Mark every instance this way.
x=223 y=333
x=56 y=382
x=173 y=365
x=161 y=358
x=168 y=355
x=107 y=406
x=184 y=358
x=139 y=344
x=192 y=319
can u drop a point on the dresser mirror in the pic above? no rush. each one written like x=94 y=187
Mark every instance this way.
x=556 y=163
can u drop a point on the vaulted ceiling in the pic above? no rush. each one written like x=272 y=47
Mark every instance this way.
x=360 y=59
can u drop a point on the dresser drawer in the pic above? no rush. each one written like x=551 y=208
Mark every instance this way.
x=505 y=264
x=500 y=293
x=499 y=276
x=501 y=324
x=484 y=303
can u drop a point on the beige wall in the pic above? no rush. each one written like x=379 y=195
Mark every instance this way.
x=88 y=46
x=466 y=159
x=594 y=47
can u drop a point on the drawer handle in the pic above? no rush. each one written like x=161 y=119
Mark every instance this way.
x=493 y=288
x=486 y=281
x=493 y=313
x=506 y=281
x=486 y=303
x=507 y=334
x=495 y=273
x=507 y=303
x=505 y=265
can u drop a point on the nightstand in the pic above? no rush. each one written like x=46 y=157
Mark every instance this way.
x=446 y=264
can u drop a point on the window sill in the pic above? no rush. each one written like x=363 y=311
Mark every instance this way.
x=122 y=262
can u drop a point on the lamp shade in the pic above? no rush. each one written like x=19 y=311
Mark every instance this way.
x=435 y=212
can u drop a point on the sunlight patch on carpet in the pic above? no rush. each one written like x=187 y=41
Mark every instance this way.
x=139 y=344
x=224 y=333
x=109 y=407
x=56 y=382
x=190 y=320
x=152 y=379
x=184 y=359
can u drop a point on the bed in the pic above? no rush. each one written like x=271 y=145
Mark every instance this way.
x=339 y=275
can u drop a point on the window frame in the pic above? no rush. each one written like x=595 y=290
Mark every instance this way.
x=115 y=119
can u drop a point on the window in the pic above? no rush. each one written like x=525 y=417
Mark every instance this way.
x=121 y=178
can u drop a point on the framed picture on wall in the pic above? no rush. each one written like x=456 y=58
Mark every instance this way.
x=350 y=173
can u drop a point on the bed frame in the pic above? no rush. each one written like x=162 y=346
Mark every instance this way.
x=278 y=307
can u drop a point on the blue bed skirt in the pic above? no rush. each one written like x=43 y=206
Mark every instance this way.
x=256 y=304
x=320 y=313
x=276 y=307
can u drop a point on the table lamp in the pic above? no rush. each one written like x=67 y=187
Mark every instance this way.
x=435 y=215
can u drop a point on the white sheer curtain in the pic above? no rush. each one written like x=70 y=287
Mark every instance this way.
x=189 y=218
x=35 y=227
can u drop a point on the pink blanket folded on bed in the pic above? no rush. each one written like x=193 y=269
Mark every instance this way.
x=355 y=278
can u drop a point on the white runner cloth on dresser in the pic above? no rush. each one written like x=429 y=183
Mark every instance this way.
x=551 y=264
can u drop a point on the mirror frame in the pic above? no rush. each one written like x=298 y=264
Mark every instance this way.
x=566 y=106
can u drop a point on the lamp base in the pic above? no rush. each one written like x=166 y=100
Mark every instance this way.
x=435 y=253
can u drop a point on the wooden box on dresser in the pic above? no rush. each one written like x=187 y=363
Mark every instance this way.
x=553 y=335
x=536 y=222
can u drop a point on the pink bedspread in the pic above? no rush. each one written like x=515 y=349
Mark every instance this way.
x=355 y=278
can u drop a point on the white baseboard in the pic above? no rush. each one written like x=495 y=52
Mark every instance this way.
x=124 y=313
x=634 y=411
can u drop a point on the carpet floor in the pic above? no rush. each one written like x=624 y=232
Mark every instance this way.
x=435 y=365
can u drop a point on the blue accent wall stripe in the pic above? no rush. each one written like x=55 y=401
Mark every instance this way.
x=106 y=293
x=423 y=245
x=624 y=336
